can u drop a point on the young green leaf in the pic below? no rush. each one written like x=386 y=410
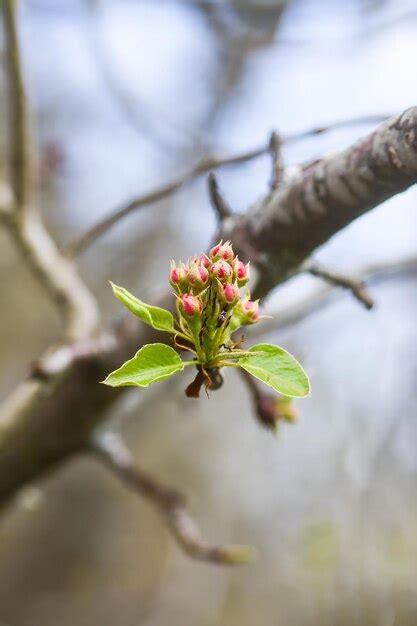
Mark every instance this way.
x=278 y=369
x=153 y=362
x=154 y=316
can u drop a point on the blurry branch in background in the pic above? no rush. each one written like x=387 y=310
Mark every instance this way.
x=202 y=167
x=289 y=316
x=218 y=202
x=55 y=273
x=275 y=149
x=145 y=120
x=20 y=149
x=269 y=408
x=355 y=286
x=110 y=448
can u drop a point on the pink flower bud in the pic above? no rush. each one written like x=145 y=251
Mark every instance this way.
x=191 y=304
x=205 y=261
x=242 y=273
x=222 y=271
x=230 y=293
x=197 y=277
x=177 y=276
x=222 y=251
x=226 y=252
x=246 y=312
x=251 y=308
x=215 y=251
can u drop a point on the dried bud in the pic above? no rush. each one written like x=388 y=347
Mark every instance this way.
x=271 y=409
x=190 y=305
x=222 y=271
x=197 y=277
x=222 y=251
x=229 y=293
x=242 y=273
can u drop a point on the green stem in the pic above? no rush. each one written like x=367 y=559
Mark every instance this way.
x=178 y=333
x=235 y=354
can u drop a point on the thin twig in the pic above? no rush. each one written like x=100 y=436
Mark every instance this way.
x=287 y=317
x=204 y=166
x=356 y=286
x=55 y=273
x=20 y=146
x=218 y=202
x=110 y=448
x=275 y=149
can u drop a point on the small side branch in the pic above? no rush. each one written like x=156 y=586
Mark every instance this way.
x=356 y=286
x=21 y=174
x=219 y=204
x=205 y=165
x=275 y=149
x=110 y=448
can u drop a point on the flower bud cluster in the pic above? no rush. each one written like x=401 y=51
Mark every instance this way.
x=209 y=302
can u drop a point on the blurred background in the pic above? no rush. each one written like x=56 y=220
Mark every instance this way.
x=126 y=95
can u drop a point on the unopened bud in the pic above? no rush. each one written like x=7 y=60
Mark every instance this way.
x=247 y=312
x=198 y=277
x=222 y=271
x=214 y=252
x=205 y=261
x=177 y=276
x=229 y=293
x=191 y=305
x=242 y=273
x=222 y=251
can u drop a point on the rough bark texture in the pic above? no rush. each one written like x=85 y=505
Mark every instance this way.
x=327 y=195
x=45 y=422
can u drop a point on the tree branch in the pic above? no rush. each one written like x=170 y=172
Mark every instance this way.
x=218 y=202
x=374 y=274
x=21 y=173
x=110 y=448
x=325 y=196
x=275 y=149
x=355 y=286
x=55 y=273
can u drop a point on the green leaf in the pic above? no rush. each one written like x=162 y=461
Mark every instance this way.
x=154 y=316
x=278 y=369
x=153 y=362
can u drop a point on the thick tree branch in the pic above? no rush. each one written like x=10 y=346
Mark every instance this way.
x=110 y=448
x=325 y=196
